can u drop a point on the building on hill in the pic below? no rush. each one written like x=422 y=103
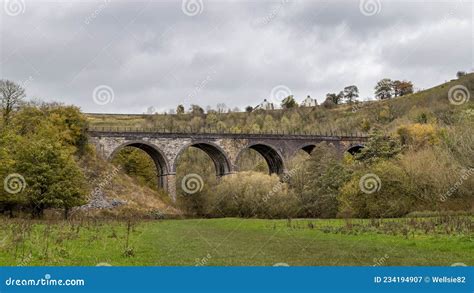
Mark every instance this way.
x=265 y=105
x=309 y=102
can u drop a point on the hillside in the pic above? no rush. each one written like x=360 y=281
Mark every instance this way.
x=431 y=105
x=420 y=154
x=429 y=149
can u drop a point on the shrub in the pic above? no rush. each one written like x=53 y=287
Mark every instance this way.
x=418 y=135
x=431 y=172
x=252 y=194
x=389 y=196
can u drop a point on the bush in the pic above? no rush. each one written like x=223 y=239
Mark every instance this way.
x=431 y=172
x=387 y=192
x=252 y=194
x=418 y=135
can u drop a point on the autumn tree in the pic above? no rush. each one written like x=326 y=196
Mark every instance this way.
x=401 y=88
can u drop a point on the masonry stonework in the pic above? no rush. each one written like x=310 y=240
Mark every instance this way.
x=224 y=149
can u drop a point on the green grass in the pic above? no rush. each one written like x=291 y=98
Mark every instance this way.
x=230 y=242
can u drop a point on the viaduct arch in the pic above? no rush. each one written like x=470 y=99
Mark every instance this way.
x=224 y=149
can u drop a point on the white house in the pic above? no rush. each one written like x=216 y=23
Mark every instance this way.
x=309 y=102
x=265 y=105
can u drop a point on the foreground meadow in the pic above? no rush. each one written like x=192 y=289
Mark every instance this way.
x=440 y=241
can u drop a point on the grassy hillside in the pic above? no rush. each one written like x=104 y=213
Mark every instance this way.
x=431 y=151
x=431 y=104
x=423 y=151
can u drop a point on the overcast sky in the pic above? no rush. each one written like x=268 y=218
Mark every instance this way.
x=123 y=57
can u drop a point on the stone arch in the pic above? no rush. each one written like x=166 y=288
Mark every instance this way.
x=271 y=155
x=216 y=153
x=308 y=148
x=354 y=149
x=156 y=155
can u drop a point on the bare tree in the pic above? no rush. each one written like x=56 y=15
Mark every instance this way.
x=11 y=95
x=221 y=108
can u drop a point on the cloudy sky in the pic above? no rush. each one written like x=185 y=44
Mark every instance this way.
x=123 y=57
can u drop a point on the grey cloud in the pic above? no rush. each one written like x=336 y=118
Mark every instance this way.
x=152 y=54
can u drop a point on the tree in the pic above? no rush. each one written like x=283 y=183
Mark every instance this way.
x=221 y=108
x=180 y=109
x=288 y=102
x=196 y=110
x=52 y=177
x=383 y=89
x=335 y=98
x=150 y=110
x=378 y=147
x=401 y=88
x=249 y=109
x=9 y=200
x=350 y=93
x=328 y=103
x=460 y=74
x=324 y=176
x=11 y=95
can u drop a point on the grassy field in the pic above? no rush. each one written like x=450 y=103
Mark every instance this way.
x=233 y=242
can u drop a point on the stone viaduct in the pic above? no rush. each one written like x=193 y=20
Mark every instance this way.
x=224 y=149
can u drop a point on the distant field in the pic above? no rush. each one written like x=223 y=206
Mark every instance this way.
x=233 y=242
